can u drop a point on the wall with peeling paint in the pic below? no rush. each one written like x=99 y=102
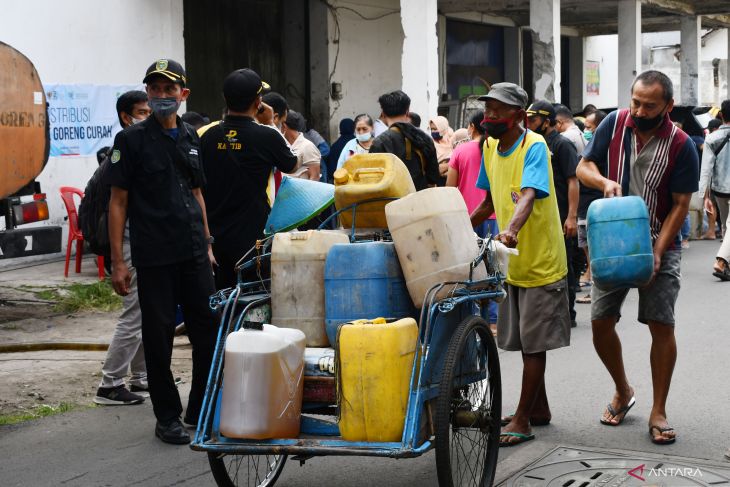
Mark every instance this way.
x=83 y=45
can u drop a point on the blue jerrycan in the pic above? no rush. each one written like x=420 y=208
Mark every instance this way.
x=619 y=242
x=363 y=281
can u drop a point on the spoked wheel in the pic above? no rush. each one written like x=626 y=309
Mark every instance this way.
x=245 y=470
x=468 y=408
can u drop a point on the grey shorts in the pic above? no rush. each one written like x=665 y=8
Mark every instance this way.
x=582 y=234
x=535 y=319
x=656 y=301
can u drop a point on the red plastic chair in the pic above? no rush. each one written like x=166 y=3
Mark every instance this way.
x=74 y=233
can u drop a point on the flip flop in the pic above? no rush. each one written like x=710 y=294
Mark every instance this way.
x=584 y=299
x=521 y=436
x=723 y=275
x=585 y=283
x=624 y=410
x=533 y=421
x=663 y=441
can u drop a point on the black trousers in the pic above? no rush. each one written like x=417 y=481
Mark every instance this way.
x=570 y=246
x=161 y=289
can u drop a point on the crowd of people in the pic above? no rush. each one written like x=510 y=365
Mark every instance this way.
x=186 y=202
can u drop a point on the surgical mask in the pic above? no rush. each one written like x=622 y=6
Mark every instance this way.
x=647 y=124
x=135 y=121
x=436 y=136
x=587 y=134
x=164 y=107
x=496 y=128
x=364 y=137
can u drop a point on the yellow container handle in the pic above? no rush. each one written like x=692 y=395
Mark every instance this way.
x=367 y=170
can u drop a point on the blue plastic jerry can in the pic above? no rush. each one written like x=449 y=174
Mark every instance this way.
x=619 y=242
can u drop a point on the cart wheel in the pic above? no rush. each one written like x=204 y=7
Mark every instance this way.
x=249 y=470
x=468 y=408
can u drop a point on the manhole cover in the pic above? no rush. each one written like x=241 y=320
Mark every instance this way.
x=571 y=467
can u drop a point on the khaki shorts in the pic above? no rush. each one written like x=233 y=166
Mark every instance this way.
x=533 y=320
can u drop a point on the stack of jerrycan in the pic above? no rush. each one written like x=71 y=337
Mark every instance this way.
x=374 y=364
x=619 y=242
x=369 y=176
x=434 y=239
x=363 y=280
x=297 y=281
x=262 y=383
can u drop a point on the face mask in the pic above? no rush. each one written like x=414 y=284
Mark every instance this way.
x=587 y=134
x=164 y=107
x=436 y=136
x=540 y=130
x=496 y=128
x=135 y=121
x=364 y=137
x=647 y=124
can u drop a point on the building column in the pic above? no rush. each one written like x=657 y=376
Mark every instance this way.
x=545 y=26
x=689 y=60
x=420 y=57
x=727 y=72
x=576 y=54
x=629 y=48
x=319 y=68
x=513 y=55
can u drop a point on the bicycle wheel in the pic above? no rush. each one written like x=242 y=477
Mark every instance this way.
x=468 y=408
x=249 y=470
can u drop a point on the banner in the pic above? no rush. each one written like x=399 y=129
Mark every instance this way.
x=83 y=118
x=593 y=77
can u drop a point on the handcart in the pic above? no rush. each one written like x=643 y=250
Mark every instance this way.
x=454 y=401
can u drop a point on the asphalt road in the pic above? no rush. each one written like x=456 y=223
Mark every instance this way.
x=116 y=446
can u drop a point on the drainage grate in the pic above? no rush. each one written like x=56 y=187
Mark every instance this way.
x=572 y=467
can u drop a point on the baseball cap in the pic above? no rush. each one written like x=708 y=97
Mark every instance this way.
x=542 y=108
x=168 y=68
x=508 y=93
x=241 y=87
x=296 y=121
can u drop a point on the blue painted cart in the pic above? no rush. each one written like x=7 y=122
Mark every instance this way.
x=454 y=403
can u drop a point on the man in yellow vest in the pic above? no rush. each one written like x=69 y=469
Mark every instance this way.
x=517 y=175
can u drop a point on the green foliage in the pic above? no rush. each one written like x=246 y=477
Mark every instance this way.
x=99 y=296
x=40 y=411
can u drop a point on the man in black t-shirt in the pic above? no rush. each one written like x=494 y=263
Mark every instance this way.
x=407 y=142
x=564 y=159
x=238 y=156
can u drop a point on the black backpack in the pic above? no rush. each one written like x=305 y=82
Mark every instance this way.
x=94 y=211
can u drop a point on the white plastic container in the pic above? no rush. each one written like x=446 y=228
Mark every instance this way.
x=434 y=240
x=297 y=281
x=262 y=383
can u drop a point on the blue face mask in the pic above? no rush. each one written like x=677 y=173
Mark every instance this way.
x=436 y=136
x=587 y=134
x=164 y=107
x=364 y=137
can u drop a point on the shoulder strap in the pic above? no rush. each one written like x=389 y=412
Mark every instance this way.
x=409 y=149
x=722 y=144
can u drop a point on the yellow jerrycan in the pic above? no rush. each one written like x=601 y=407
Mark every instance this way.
x=370 y=176
x=374 y=364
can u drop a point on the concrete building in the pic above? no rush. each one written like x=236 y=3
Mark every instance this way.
x=333 y=58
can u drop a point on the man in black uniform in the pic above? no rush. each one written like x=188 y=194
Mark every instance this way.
x=564 y=159
x=156 y=179
x=238 y=157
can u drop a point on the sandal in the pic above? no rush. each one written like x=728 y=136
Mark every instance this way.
x=724 y=274
x=623 y=411
x=664 y=440
x=584 y=299
x=521 y=437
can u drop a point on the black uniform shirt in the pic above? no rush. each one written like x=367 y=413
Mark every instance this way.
x=564 y=159
x=238 y=156
x=160 y=172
